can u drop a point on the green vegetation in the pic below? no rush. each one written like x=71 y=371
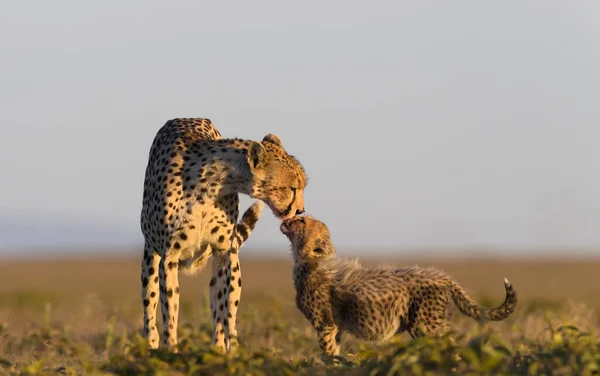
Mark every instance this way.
x=562 y=342
x=51 y=330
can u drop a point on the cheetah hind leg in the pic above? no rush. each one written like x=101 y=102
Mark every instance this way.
x=169 y=298
x=329 y=341
x=218 y=292
x=234 y=293
x=336 y=358
x=434 y=326
x=150 y=294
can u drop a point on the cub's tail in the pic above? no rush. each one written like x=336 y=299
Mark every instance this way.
x=468 y=307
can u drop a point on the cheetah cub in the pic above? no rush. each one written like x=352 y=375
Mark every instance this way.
x=338 y=296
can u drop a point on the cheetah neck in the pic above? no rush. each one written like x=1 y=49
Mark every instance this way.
x=224 y=169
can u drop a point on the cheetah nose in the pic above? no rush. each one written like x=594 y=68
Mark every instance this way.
x=299 y=211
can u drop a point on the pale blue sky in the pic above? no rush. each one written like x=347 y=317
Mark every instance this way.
x=435 y=124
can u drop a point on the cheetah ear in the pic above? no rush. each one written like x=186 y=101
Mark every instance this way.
x=257 y=155
x=272 y=139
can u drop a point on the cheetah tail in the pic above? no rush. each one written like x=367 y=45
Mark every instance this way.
x=467 y=306
x=244 y=227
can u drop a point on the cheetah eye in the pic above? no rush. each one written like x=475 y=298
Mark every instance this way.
x=319 y=251
x=293 y=189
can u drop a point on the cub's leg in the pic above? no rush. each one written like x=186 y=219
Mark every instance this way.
x=327 y=340
x=338 y=341
x=428 y=311
x=431 y=321
x=431 y=324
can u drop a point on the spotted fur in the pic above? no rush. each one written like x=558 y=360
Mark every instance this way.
x=189 y=212
x=374 y=304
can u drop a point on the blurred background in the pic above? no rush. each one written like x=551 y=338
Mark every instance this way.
x=437 y=128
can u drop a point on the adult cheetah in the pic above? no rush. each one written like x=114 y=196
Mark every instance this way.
x=337 y=295
x=189 y=212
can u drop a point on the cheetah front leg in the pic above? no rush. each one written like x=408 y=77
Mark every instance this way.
x=169 y=298
x=338 y=341
x=221 y=282
x=150 y=265
x=328 y=341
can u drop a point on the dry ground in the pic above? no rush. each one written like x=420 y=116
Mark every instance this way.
x=96 y=304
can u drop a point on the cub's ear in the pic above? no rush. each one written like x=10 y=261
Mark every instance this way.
x=272 y=139
x=257 y=155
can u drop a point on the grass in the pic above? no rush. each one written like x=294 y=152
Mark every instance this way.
x=83 y=317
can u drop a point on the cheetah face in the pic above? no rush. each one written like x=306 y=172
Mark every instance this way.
x=278 y=178
x=310 y=238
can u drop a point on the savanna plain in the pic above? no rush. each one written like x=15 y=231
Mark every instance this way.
x=84 y=316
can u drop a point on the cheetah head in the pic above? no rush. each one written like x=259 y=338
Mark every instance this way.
x=278 y=178
x=310 y=238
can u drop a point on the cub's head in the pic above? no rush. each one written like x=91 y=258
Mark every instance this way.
x=309 y=237
x=278 y=178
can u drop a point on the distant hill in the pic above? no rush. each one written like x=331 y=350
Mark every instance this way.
x=20 y=236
